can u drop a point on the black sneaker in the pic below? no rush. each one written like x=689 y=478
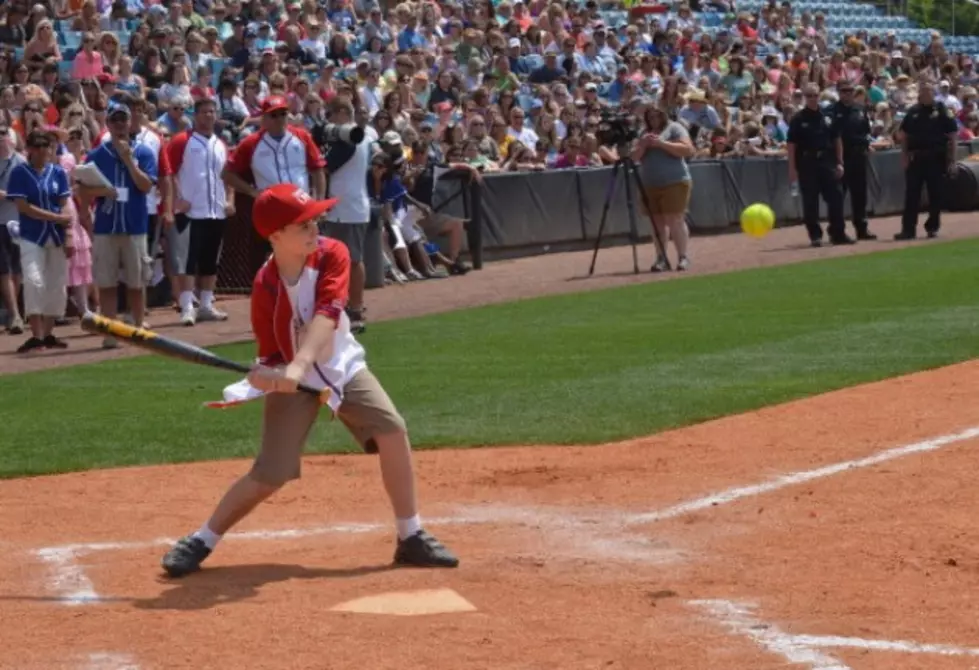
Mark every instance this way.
x=424 y=551
x=903 y=237
x=866 y=236
x=52 y=342
x=932 y=234
x=186 y=556
x=842 y=241
x=32 y=344
x=459 y=268
x=815 y=244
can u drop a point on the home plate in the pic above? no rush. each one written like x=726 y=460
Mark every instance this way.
x=408 y=603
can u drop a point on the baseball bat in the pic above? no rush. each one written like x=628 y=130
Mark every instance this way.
x=167 y=346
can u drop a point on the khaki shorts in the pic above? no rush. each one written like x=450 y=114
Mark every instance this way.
x=672 y=199
x=128 y=252
x=366 y=411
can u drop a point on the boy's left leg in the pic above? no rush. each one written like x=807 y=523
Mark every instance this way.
x=371 y=417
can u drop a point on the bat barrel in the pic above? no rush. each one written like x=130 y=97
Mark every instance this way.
x=147 y=339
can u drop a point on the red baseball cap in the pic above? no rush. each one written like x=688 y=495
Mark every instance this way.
x=283 y=205
x=274 y=103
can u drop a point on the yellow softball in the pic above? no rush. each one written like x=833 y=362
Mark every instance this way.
x=757 y=220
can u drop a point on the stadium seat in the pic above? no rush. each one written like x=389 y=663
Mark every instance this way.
x=217 y=67
x=71 y=39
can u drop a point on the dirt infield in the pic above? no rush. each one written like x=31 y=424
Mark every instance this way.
x=836 y=532
x=503 y=281
x=833 y=533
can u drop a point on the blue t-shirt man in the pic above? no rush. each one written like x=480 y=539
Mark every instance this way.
x=126 y=214
x=46 y=189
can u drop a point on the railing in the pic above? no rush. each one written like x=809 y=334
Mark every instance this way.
x=523 y=214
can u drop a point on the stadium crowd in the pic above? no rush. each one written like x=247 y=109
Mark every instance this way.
x=476 y=86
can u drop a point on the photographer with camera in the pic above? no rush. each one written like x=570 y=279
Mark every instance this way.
x=348 y=157
x=232 y=112
x=663 y=150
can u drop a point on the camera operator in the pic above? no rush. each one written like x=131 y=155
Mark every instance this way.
x=232 y=112
x=348 y=165
x=662 y=151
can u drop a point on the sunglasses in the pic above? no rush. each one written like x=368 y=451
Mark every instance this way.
x=277 y=115
x=39 y=145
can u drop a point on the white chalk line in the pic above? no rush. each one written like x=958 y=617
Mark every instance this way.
x=804 y=649
x=110 y=661
x=783 y=481
x=740 y=621
x=69 y=578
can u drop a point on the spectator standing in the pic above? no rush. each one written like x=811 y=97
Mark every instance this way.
x=143 y=134
x=203 y=203
x=10 y=266
x=347 y=221
x=663 y=151
x=80 y=260
x=122 y=217
x=40 y=190
x=87 y=300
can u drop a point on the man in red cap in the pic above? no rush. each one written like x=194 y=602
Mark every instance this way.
x=303 y=335
x=276 y=154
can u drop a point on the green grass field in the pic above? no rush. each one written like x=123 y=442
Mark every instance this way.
x=584 y=368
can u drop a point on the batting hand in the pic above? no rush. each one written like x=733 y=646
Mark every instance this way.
x=271 y=380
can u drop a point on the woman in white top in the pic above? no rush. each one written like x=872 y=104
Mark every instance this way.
x=177 y=84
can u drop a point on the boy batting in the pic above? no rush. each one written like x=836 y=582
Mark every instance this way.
x=303 y=336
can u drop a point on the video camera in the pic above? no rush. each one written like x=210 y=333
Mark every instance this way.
x=616 y=129
x=325 y=134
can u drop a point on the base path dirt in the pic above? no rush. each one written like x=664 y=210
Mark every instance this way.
x=835 y=532
x=502 y=281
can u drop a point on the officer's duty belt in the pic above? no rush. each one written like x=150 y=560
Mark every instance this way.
x=817 y=154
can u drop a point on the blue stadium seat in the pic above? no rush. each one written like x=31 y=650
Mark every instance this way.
x=217 y=67
x=71 y=39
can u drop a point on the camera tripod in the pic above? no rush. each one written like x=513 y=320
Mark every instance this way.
x=628 y=167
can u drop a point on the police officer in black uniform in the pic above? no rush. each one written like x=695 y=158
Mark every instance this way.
x=853 y=126
x=928 y=154
x=815 y=155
